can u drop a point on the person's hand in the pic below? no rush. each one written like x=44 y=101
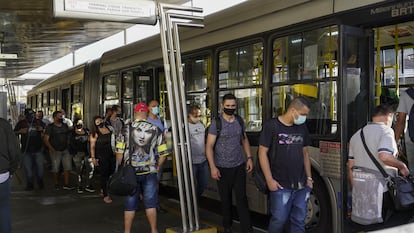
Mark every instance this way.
x=273 y=185
x=215 y=173
x=404 y=171
x=249 y=165
x=95 y=161
x=309 y=183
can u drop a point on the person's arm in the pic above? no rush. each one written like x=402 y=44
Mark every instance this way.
x=272 y=184
x=307 y=165
x=400 y=125
x=249 y=158
x=350 y=165
x=390 y=160
x=92 y=142
x=47 y=143
x=214 y=172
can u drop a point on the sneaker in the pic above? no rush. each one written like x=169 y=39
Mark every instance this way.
x=57 y=187
x=90 y=189
x=80 y=189
x=67 y=187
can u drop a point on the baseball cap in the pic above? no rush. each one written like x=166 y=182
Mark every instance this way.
x=141 y=107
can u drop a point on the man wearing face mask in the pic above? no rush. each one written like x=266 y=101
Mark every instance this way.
x=56 y=139
x=198 y=151
x=288 y=175
x=155 y=119
x=228 y=164
x=381 y=143
x=30 y=129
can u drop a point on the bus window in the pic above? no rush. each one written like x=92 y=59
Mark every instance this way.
x=241 y=66
x=248 y=107
x=197 y=73
x=111 y=87
x=305 y=64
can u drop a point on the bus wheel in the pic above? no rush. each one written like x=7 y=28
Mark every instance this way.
x=318 y=210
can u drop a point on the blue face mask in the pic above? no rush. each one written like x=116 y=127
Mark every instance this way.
x=155 y=110
x=300 y=120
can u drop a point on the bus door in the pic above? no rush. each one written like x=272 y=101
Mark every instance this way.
x=356 y=98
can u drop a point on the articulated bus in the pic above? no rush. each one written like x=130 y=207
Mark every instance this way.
x=344 y=56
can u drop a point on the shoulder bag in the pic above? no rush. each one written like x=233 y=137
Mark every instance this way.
x=401 y=188
x=258 y=176
x=123 y=182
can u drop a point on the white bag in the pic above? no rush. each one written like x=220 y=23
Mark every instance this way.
x=367 y=195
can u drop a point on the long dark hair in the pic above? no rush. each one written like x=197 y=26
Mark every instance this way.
x=94 y=127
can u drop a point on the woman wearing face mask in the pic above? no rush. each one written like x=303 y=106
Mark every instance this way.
x=102 y=145
x=79 y=149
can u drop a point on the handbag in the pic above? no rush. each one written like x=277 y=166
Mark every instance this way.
x=123 y=182
x=401 y=189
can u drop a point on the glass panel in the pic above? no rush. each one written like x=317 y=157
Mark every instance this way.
x=52 y=97
x=249 y=107
x=111 y=87
x=309 y=55
x=143 y=88
x=408 y=63
x=77 y=111
x=45 y=98
x=76 y=92
x=196 y=73
x=241 y=66
x=127 y=85
x=322 y=118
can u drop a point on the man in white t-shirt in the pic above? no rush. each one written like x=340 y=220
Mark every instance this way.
x=403 y=110
x=381 y=143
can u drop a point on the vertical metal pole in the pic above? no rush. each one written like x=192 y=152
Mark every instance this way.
x=167 y=70
x=175 y=84
x=179 y=113
x=187 y=133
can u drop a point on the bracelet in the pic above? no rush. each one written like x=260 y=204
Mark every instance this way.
x=249 y=157
x=310 y=178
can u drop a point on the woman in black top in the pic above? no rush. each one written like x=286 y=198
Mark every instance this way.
x=79 y=148
x=102 y=143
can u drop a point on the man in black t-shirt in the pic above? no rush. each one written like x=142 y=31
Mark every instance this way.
x=30 y=129
x=56 y=139
x=288 y=174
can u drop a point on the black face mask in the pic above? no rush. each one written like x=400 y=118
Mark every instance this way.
x=119 y=115
x=60 y=120
x=229 y=111
x=79 y=126
x=101 y=125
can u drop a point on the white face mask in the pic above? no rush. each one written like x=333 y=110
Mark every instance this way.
x=300 y=120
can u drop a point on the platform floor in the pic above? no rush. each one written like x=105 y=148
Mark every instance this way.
x=50 y=211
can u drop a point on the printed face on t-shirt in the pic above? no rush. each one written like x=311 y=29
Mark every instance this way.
x=143 y=134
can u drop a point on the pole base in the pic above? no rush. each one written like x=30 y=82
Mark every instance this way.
x=202 y=229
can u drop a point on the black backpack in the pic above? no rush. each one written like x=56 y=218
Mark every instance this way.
x=410 y=92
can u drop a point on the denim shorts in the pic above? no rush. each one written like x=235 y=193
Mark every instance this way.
x=61 y=157
x=148 y=187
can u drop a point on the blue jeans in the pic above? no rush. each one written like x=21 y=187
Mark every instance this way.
x=34 y=164
x=148 y=187
x=286 y=204
x=5 y=215
x=201 y=173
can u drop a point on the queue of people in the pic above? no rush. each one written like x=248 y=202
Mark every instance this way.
x=224 y=155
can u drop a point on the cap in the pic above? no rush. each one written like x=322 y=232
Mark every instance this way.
x=141 y=107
